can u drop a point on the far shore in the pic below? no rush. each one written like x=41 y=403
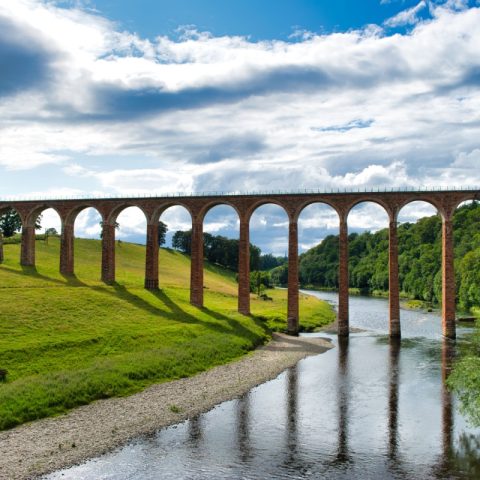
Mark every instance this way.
x=47 y=445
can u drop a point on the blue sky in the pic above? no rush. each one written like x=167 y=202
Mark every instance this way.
x=100 y=97
x=259 y=20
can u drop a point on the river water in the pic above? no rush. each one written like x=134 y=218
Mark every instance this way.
x=369 y=408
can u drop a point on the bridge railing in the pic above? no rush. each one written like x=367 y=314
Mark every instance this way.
x=218 y=193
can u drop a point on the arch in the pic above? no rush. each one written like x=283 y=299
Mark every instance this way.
x=221 y=231
x=408 y=204
x=72 y=214
x=371 y=269
x=51 y=243
x=127 y=235
x=407 y=201
x=162 y=208
x=315 y=201
x=369 y=199
x=466 y=228
x=317 y=221
x=3 y=209
x=33 y=214
x=260 y=203
x=470 y=196
x=117 y=210
x=204 y=211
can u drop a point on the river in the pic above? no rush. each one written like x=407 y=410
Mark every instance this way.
x=369 y=408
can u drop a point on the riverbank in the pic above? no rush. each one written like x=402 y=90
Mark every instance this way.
x=91 y=430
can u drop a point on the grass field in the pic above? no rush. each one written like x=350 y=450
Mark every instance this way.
x=69 y=341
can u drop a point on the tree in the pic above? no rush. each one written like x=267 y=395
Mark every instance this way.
x=10 y=222
x=162 y=233
x=49 y=232
x=117 y=226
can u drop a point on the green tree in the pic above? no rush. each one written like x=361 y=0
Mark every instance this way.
x=10 y=222
x=162 y=233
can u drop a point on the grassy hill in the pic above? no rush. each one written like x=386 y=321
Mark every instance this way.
x=66 y=342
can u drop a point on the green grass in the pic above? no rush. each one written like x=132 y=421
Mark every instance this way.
x=68 y=341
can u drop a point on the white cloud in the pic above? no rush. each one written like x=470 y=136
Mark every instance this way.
x=406 y=17
x=119 y=114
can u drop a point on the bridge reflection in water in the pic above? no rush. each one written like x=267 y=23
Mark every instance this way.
x=372 y=408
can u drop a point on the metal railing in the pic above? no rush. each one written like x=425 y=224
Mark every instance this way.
x=319 y=191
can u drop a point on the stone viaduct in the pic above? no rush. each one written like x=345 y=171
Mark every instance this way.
x=445 y=201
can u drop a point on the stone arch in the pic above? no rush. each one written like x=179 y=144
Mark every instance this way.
x=312 y=229
x=4 y=209
x=205 y=209
x=412 y=199
x=260 y=203
x=314 y=201
x=36 y=211
x=222 y=219
x=72 y=214
x=114 y=213
x=164 y=206
x=67 y=253
x=368 y=199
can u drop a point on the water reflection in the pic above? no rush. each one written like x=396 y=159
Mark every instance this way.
x=370 y=408
x=291 y=416
x=394 y=356
x=343 y=395
x=243 y=428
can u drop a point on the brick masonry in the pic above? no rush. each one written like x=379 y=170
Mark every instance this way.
x=293 y=204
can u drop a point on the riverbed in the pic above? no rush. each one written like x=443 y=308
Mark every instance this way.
x=369 y=408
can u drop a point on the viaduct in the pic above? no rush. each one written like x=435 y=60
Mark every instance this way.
x=445 y=201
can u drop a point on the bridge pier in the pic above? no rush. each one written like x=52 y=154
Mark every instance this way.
x=151 y=258
x=244 y=268
x=108 y=253
x=393 y=284
x=293 y=308
x=66 y=250
x=343 y=324
x=196 y=271
x=448 y=280
x=27 y=252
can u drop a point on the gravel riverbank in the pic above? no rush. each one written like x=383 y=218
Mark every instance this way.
x=53 y=443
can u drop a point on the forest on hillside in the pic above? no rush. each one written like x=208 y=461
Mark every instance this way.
x=420 y=249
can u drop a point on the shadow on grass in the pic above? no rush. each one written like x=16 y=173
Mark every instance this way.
x=175 y=313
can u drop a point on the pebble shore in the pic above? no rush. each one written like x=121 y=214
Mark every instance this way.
x=44 y=446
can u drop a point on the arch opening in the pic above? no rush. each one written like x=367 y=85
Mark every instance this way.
x=466 y=236
x=368 y=248
x=10 y=232
x=174 y=267
x=129 y=237
x=318 y=233
x=221 y=237
x=45 y=250
x=85 y=255
x=420 y=254
x=269 y=235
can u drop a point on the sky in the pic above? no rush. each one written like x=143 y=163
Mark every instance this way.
x=104 y=97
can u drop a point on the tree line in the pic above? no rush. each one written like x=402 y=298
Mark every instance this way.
x=224 y=251
x=420 y=256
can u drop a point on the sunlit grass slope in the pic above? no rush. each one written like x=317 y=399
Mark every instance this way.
x=66 y=342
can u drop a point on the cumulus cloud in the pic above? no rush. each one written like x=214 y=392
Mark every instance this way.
x=120 y=114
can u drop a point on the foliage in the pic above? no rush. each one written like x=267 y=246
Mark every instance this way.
x=10 y=222
x=66 y=342
x=420 y=247
x=465 y=378
x=216 y=249
x=259 y=281
x=162 y=233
